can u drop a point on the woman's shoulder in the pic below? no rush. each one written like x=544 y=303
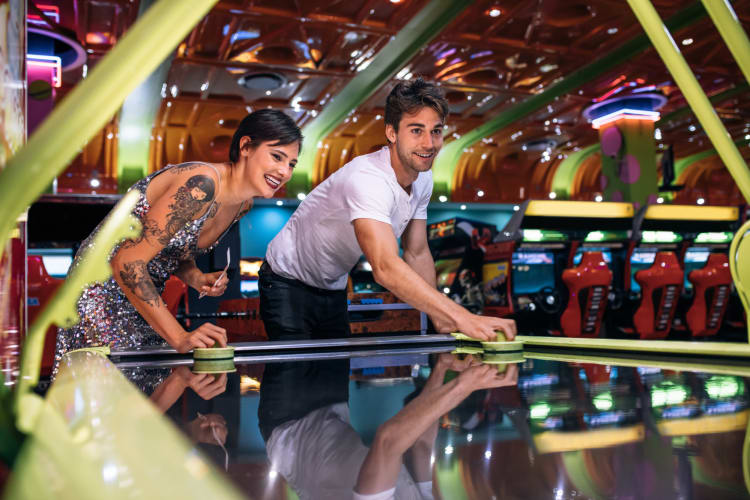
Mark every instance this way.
x=200 y=179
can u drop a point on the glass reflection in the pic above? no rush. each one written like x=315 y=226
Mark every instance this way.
x=418 y=428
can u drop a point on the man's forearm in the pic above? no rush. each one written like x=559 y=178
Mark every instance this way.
x=423 y=265
x=398 y=277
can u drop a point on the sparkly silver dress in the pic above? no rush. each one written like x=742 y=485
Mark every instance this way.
x=107 y=316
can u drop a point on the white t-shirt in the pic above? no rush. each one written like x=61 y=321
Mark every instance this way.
x=321 y=454
x=317 y=246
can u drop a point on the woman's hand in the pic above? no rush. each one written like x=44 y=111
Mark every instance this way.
x=205 y=335
x=205 y=385
x=207 y=284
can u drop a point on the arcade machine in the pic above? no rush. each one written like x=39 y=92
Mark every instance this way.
x=458 y=248
x=373 y=309
x=680 y=280
x=568 y=263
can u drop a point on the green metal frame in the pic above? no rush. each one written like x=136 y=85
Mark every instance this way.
x=731 y=31
x=92 y=103
x=672 y=347
x=715 y=99
x=739 y=265
x=683 y=164
x=674 y=61
x=98 y=436
x=562 y=180
x=422 y=28
x=449 y=156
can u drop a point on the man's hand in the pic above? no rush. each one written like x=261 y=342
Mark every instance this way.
x=487 y=377
x=447 y=361
x=485 y=327
x=205 y=385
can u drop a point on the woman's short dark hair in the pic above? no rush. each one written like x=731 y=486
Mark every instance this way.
x=262 y=126
x=407 y=97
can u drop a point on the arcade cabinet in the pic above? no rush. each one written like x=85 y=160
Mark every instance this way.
x=568 y=261
x=458 y=248
x=680 y=280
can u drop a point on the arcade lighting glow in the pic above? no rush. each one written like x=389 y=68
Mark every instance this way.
x=51 y=11
x=720 y=237
x=625 y=114
x=660 y=237
x=721 y=386
x=53 y=62
x=604 y=401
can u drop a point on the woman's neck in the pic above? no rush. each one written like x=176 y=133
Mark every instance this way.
x=234 y=185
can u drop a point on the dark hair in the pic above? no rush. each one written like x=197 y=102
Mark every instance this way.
x=262 y=126
x=205 y=184
x=407 y=97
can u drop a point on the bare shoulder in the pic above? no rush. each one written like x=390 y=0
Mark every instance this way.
x=198 y=178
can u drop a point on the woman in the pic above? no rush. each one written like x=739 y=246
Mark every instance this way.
x=185 y=210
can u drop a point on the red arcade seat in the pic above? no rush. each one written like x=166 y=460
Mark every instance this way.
x=711 y=285
x=588 y=287
x=41 y=288
x=174 y=292
x=661 y=285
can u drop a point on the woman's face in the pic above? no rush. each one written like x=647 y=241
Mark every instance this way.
x=271 y=166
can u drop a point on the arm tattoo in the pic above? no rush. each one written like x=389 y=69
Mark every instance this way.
x=135 y=276
x=150 y=230
x=189 y=200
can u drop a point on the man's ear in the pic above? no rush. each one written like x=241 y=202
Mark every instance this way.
x=390 y=133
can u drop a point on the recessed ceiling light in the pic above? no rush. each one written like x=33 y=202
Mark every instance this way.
x=494 y=12
x=687 y=41
x=612 y=31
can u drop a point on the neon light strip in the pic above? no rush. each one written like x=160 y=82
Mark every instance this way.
x=47 y=62
x=627 y=113
x=49 y=10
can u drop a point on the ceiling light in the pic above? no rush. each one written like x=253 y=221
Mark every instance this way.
x=494 y=12
x=660 y=200
x=598 y=198
x=301 y=196
x=463 y=207
x=279 y=203
x=442 y=198
x=480 y=193
x=700 y=201
x=552 y=195
x=612 y=31
x=687 y=41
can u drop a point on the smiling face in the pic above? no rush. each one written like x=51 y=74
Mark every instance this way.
x=417 y=141
x=271 y=166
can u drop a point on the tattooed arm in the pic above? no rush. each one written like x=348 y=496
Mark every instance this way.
x=185 y=197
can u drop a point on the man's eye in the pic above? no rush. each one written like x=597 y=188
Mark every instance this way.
x=276 y=157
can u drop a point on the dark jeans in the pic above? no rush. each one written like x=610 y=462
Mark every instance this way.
x=292 y=310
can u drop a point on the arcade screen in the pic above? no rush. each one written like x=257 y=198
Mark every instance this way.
x=607 y=254
x=695 y=258
x=56 y=261
x=532 y=271
x=249 y=268
x=642 y=258
x=446 y=270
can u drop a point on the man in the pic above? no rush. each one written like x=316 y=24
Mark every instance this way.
x=363 y=208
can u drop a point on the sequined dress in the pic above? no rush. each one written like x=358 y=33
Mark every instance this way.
x=107 y=316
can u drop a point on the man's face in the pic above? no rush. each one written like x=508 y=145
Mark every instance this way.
x=418 y=140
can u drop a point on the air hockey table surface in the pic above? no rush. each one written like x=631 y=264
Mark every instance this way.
x=574 y=424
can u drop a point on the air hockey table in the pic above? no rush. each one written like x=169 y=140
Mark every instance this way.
x=291 y=420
